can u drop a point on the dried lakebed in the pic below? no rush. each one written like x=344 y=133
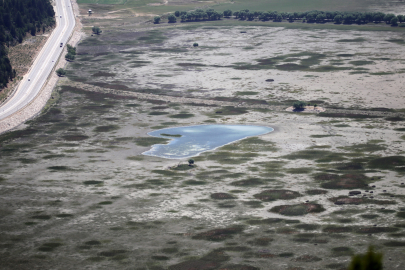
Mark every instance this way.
x=191 y=141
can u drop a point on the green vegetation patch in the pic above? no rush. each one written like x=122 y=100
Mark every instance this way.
x=316 y=191
x=171 y=135
x=182 y=115
x=394 y=244
x=276 y=194
x=297 y=209
x=347 y=115
x=395 y=163
x=231 y=110
x=304 y=170
x=307 y=258
x=307 y=227
x=48 y=247
x=93 y=182
x=219 y=234
x=246 y=93
x=59 y=168
x=346 y=181
x=107 y=128
x=224 y=157
x=43 y=217
x=361 y=62
x=341 y=251
x=317 y=155
x=248 y=182
x=253 y=144
x=75 y=137
x=149 y=141
x=365 y=147
x=222 y=196
x=360 y=39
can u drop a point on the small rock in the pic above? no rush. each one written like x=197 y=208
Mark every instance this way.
x=384 y=190
x=372 y=186
x=371 y=192
x=354 y=192
x=269 y=80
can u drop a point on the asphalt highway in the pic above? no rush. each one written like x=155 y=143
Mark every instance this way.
x=45 y=61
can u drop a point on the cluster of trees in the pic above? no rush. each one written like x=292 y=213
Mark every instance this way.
x=17 y=18
x=314 y=16
x=21 y=16
x=70 y=56
x=6 y=71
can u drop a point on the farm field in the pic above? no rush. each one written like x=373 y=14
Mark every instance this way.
x=77 y=193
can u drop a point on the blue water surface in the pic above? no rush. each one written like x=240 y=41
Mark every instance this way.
x=198 y=139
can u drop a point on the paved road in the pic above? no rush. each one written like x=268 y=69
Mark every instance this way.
x=44 y=63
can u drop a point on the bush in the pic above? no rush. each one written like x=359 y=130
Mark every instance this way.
x=190 y=162
x=96 y=30
x=61 y=72
x=156 y=20
x=177 y=13
x=368 y=261
x=172 y=18
x=299 y=105
x=195 y=44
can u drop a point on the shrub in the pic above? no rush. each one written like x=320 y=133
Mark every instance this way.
x=96 y=30
x=177 y=13
x=190 y=162
x=156 y=20
x=195 y=44
x=299 y=105
x=61 y=72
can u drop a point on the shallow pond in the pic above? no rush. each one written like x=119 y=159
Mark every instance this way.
x=190 y=141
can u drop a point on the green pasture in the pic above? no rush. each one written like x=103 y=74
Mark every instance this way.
x=254 y=5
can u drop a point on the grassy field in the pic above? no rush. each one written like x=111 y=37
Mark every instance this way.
x=157 y=7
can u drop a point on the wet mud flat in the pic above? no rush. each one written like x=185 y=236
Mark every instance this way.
x=76 y=192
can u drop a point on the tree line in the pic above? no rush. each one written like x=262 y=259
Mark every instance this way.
x=17 y=18
x=314 y=16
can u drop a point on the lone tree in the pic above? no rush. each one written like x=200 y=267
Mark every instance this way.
x=61 y=72
x=369 y=261
x=299 y=105
x=190 y=162
x=156 y=20
x=195 y=44
x=172 y=18
x=96 y=30
x=177 y=13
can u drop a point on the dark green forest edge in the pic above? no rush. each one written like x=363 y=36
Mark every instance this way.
x=17 y=18
x=314 y=16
